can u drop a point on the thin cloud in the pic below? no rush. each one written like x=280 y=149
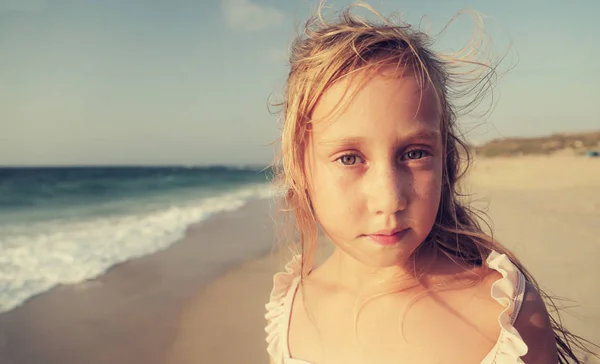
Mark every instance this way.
x=248 y=15
x=28 y=6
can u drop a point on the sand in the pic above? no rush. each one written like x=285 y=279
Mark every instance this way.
x=547 y=211
x=162 y=309
x=133 y=313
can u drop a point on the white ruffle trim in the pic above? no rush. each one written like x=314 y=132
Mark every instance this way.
x=507 y=291
x=277 y=308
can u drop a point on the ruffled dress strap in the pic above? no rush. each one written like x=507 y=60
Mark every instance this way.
x=508 y=291
x=279 y=308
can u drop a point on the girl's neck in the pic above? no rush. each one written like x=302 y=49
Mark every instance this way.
x=349 y=274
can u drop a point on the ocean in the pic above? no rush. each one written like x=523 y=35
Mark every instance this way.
x=63 y=225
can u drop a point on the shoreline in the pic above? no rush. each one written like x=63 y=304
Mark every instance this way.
x=135 y=305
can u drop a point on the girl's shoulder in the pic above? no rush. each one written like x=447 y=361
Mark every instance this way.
x=525 y=330
x=525 y=323
x=506 y=283
x=505 y=286
x=284 y=281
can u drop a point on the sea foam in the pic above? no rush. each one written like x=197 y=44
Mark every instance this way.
x=34 y=258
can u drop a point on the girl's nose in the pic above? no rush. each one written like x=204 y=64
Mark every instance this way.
x=388 y=191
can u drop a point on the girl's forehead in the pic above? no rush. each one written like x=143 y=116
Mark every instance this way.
x=377 y=99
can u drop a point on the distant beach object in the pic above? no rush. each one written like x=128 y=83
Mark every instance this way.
x=593 y=153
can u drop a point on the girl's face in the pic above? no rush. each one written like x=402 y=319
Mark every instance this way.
x=374 y=167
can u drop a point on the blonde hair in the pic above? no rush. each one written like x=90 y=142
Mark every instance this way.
x=325 y=53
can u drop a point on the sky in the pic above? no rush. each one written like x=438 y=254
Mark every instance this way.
x=132 y=82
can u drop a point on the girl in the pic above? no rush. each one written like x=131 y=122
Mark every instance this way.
x=371 y=155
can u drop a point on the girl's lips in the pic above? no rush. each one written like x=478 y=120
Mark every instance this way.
x=387 y=239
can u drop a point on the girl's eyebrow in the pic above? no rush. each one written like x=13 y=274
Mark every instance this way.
x=426 y=134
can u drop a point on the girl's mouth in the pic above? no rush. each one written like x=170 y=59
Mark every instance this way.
x=387 y=239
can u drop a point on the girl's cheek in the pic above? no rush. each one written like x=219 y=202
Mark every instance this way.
x=427 y=184
x=339 y=177
x=431 y=172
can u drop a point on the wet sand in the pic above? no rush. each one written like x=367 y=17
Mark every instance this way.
x=133 y=313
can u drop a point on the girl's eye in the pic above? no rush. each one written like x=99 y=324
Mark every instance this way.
x=415 y=154
x=349 y=159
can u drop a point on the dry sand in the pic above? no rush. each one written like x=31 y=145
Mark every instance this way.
x=156 y=309
x=547 y=211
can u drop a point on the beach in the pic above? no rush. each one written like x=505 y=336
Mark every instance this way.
x=546 y=209
x=183 y=305
x=138 y=311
